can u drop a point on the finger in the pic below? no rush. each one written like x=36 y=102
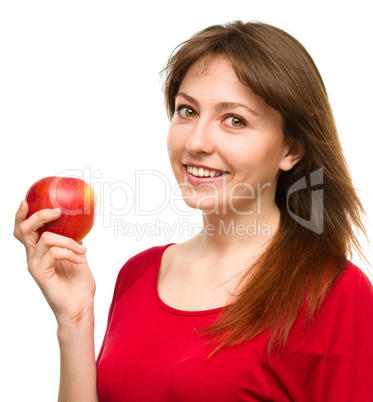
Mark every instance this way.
x=48 y=240
x=21 y=215
x=45 y=267
x=38 y=220
x=56 y=253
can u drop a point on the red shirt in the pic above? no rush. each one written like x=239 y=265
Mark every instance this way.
x=152 y=352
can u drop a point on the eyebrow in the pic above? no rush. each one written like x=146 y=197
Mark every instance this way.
x=219 y=106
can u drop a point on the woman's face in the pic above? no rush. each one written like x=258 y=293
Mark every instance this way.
x=221 y=125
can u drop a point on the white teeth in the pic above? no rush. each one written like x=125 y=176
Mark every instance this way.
x=201 y=172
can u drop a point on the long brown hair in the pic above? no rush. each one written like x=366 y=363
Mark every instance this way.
x=302 y=261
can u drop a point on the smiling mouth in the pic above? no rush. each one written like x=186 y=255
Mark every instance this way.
x=201 y=172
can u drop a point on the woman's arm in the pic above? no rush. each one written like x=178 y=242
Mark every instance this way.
x=78 y=366
x=60 y=268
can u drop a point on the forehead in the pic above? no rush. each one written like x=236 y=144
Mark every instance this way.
x=213 y=75
x=213 y=79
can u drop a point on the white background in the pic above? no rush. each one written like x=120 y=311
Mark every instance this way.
x=80 y=91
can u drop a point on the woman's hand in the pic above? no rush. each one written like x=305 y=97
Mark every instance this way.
x=58 y=264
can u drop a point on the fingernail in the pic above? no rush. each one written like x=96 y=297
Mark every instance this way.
x=56 y=211
x=21 y=204
x=82 y=249
x=79 y=259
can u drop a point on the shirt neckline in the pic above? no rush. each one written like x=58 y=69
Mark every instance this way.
x=165 y=306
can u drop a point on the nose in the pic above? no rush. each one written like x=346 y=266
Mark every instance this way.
x=200 y=139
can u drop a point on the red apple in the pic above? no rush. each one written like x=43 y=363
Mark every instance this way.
x=73 y=196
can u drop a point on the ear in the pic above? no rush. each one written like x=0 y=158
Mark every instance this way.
x=293 y=154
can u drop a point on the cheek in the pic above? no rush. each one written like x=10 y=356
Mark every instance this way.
x=259 y=158
x=175 y=141
x=171 y=142
x=175 y=149
x=270 y=161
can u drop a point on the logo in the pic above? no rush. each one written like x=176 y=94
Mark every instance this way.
x=316 y=223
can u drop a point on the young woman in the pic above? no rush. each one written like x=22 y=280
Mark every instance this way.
x=263 y=304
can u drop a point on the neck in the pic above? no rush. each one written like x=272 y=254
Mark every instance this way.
x=232 y=234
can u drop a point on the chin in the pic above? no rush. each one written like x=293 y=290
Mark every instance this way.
x=207 y=207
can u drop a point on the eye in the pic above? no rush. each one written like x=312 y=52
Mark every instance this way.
x=185 y=111
x=235 y=122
